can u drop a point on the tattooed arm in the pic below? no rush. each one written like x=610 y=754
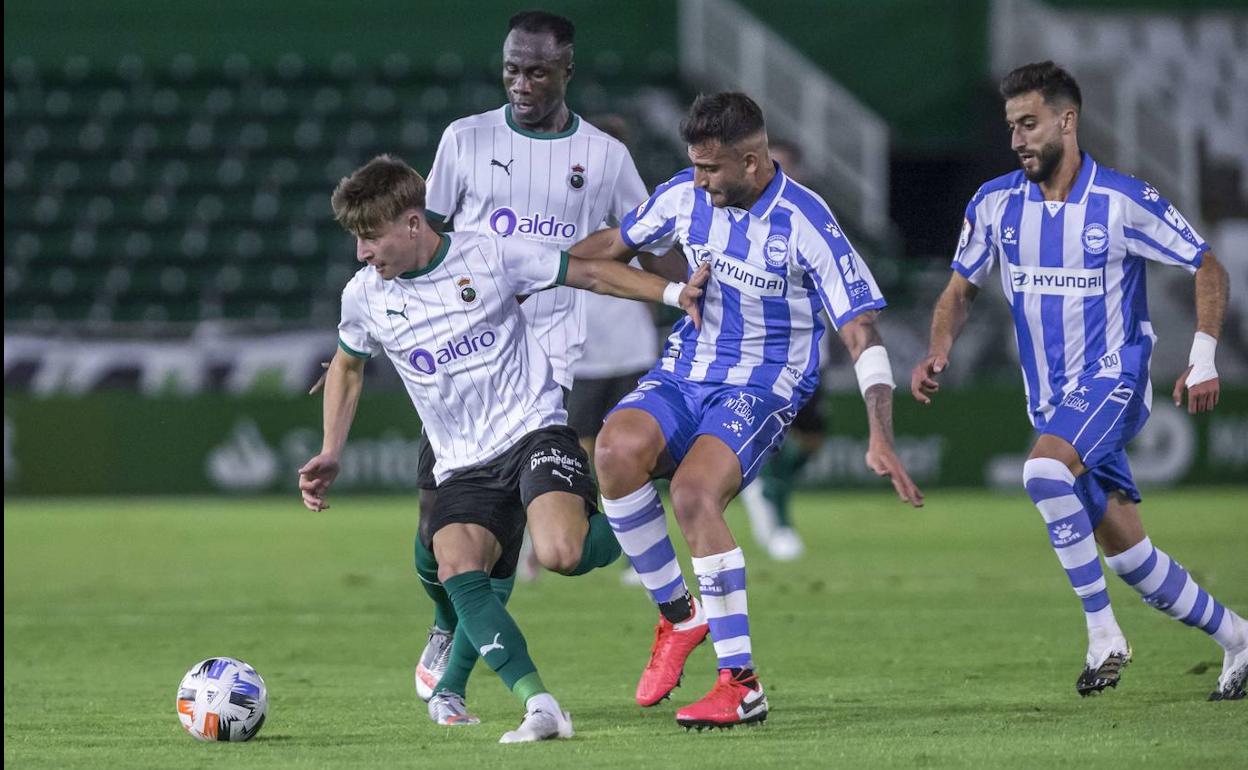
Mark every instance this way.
x=861 y=335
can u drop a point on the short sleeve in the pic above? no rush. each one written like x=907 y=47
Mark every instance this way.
x=530 y=267
x=444 y=189
x=841 y=277
x=627 y=193
x=655 y=219
x=976 y=254
x=1154 y=229
x=354 y=336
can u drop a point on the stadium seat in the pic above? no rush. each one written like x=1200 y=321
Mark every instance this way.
x=165 y=191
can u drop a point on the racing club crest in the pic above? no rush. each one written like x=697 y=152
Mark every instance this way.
x=577 y=179
x=466 y=292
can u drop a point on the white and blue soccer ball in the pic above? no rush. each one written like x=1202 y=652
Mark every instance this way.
x=222 y=699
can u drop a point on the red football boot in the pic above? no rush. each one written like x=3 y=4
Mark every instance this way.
x=732 y=701
x=667 y=658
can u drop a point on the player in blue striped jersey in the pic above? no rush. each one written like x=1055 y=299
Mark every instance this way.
x=719 y=401
x=1072 y=238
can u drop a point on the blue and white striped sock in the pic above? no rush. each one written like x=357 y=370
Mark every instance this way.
x=641 y=527
x=1052 y=488
x=1165 y=585
x=721 y=581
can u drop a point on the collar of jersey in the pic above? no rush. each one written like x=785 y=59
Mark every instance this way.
x=569 y=131
x=1087 y=167
x=771 y=192
x=438 y=256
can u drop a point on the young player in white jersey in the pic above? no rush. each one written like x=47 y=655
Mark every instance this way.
x=442 y=309
x=530 y=171
x=1072 y=237
x=719 y=401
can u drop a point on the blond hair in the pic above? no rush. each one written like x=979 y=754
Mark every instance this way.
x=376 y=193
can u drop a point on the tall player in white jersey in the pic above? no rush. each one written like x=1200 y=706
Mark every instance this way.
x=534 y=170
x=530 y=171
x=442 y=308
x=720 y=400
x=1072 y=237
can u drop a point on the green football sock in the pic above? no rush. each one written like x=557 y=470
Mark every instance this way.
x=528 y=686
x=444 y=616
x=488 y=626
x=778 y=477
x=601 y=548
x=463 y=653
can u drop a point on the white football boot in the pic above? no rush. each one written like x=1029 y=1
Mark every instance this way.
x=448 y=708
x=1108 y=654
x=543 y=720
x=433 y=662
x=785 y=544
x=1231 y=684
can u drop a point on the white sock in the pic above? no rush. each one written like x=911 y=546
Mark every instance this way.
x=721 y=581
x=543 y=701
x=1051 y=487
x=1165 y=585
x=639 y=524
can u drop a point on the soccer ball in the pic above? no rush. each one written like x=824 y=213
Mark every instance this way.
x=222 y=699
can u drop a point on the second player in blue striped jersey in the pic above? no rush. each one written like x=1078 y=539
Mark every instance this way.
x=775 y=265
x=1072 y=238
x=1073 y=272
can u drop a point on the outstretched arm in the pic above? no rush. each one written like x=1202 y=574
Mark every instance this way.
x=602 y=244
x=343 y=383
x=866 y=347
x=671 y=265
x=608 y=277
x=1200 y=378
x=948 y=319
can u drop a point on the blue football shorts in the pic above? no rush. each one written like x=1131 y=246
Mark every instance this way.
x=1098 y=417
x=751 y=421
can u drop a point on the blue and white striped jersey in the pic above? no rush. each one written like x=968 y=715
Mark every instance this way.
x=1073 y=273
x=773 y=268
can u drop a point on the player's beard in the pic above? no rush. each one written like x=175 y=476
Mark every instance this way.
x=736 y=195
x=1047 y=160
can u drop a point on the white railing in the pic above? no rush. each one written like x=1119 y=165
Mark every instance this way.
x=844 y=144
x=1154 y=86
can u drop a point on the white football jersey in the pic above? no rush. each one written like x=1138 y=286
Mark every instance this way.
x=621 y=337
x=456 y=336
x=491 y=175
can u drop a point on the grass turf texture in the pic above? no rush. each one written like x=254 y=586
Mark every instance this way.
x=941 y=637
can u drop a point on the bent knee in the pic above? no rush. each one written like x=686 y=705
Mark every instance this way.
x=617 y=455
x=1040 y=469
x=562 y=556
x=450 y=565
x=448 y=571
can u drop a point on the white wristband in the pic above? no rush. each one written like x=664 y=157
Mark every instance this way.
x=671 y=295
x=1201 y=359
x=873 y=368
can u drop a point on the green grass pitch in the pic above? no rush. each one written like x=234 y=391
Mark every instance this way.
x=944 y=637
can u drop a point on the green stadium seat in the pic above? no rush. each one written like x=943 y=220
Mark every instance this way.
x=188 y=189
